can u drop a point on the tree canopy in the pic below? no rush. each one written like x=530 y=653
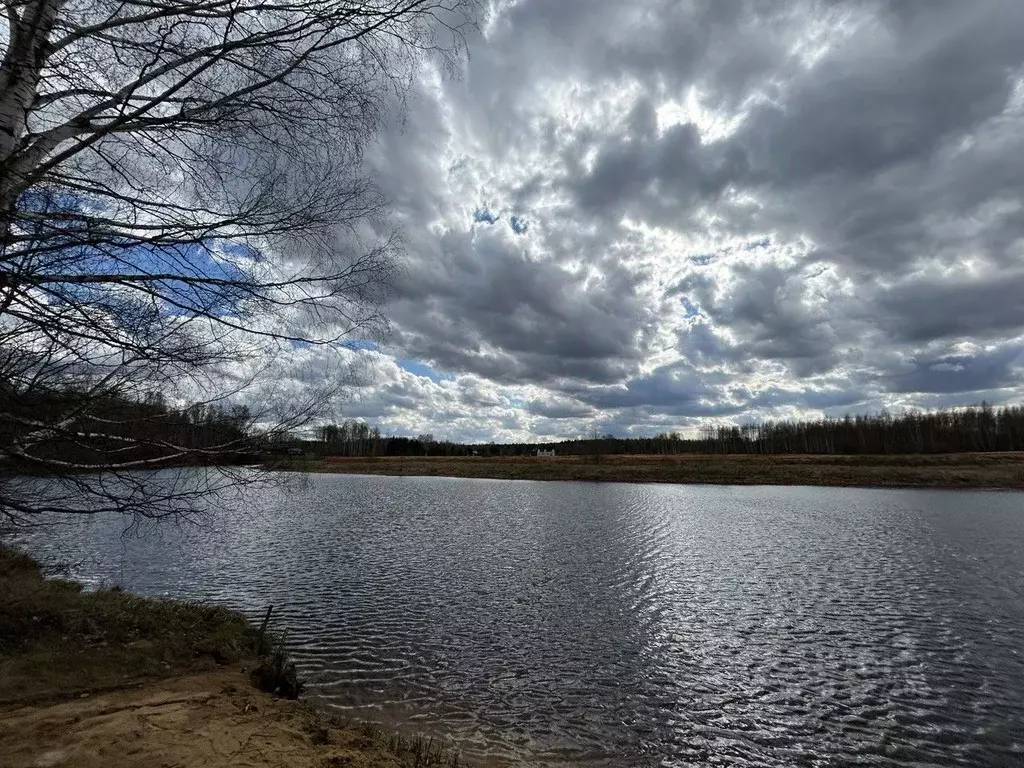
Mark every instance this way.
x=182 y=190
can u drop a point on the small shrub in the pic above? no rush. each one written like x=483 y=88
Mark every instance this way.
x=13 y=561
x=276 y=674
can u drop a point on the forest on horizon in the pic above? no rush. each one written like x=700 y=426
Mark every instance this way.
x=980 y=428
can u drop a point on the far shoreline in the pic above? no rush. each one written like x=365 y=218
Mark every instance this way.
x=952 y=471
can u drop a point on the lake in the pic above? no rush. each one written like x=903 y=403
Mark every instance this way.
x=623 y=625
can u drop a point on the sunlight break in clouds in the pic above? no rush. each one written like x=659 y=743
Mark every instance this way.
x=655 y=215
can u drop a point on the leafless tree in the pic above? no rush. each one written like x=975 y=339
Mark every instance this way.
x=426 y=440
x=181 y=191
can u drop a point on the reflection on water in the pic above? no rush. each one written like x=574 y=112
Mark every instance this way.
x=580 y=624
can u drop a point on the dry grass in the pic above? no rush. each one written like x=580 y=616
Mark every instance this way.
x=962 y=470
x=412 y=751
x=110 y=679
x=57 y=641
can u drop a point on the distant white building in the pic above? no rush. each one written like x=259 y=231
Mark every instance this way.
x=549 y=454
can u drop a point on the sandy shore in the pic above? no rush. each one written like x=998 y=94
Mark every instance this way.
x=106 y=679
x=211 y=719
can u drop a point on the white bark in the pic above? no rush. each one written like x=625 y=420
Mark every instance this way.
x=29 y=28
x=181 y=186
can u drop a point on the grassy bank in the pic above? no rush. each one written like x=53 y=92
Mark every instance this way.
x=58 y=641
x=110 y=679
x=961 y=470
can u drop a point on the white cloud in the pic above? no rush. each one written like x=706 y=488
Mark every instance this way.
x=734 y=211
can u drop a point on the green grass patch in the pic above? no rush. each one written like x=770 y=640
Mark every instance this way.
x=57 y=640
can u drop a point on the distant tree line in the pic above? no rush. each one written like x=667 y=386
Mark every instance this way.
x=974 y=428
x=48 y=427
x=357 y=438
x=971 y=429
x=978 y=428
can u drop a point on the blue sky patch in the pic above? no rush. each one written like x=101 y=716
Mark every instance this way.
x=361 y=344
x=484 y=216
x=417 y=368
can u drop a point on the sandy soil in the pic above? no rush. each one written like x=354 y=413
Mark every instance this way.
x=213 y=719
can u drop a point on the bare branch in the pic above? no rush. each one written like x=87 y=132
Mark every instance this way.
x=181 y=194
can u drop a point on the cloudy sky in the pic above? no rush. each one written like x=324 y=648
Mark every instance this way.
x=650 y=215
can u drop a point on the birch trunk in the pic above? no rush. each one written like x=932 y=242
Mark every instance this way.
x=20 y=74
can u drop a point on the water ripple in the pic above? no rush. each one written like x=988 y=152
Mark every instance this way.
x=575 y=624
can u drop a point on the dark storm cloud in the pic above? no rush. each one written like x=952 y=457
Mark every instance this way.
x=979 y=372
x=702 y=347
x=768 y=308
x=837 y=223
x=981 y=307
x=657 y=178
x=486 y=306
x=680 y=390
x=727 y=46
x=559 y=409
x=676 y=389
x=827 y=400
x=870 y=147
x=892 y=153
x=891 y=95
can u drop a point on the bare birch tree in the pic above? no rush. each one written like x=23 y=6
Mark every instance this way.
x=181 y=189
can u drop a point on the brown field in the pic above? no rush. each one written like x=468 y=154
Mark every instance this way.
x=962 y=470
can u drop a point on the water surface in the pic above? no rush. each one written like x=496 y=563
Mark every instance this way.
x=625 y=625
